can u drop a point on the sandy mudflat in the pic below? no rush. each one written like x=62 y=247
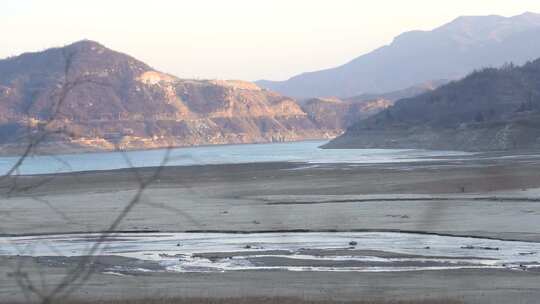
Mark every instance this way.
x=468 y=285
x=491 y=200
x=484 y=198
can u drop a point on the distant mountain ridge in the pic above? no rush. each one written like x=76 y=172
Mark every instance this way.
x=491 y=109
x=447 y=52
x=400 y=94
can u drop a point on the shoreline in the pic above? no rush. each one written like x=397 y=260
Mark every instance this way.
x=45 y=149
x=252 y=232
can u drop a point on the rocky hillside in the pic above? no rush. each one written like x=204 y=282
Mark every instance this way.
x=339 y=114
x=336 y=114
x=491 y=109
x=448 y=52
x=87 y=97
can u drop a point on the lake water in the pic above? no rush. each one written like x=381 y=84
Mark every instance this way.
x=307 y=151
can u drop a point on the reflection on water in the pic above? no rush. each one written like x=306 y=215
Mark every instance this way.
x=306 y=151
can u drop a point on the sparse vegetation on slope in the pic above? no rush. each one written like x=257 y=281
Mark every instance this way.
x=113 y=100
x=491 y=109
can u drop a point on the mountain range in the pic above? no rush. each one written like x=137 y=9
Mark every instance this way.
x=490 y=109
x=84 y=96
x=447 y=52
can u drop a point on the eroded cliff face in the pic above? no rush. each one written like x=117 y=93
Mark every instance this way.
x=91 y=98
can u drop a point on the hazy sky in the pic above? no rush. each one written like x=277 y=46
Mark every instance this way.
x=233 y=39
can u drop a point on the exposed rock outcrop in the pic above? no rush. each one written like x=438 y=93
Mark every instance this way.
x=88 y=97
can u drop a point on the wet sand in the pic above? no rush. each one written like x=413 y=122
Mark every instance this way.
x=483 y=198
x=470 y=286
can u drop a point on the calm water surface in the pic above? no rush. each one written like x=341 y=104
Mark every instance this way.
x=307 y=151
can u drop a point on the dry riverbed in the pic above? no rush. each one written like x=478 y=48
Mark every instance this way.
x=485 y=198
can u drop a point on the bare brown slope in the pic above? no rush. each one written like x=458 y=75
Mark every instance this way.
x=334 y=114
x=114 y=99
